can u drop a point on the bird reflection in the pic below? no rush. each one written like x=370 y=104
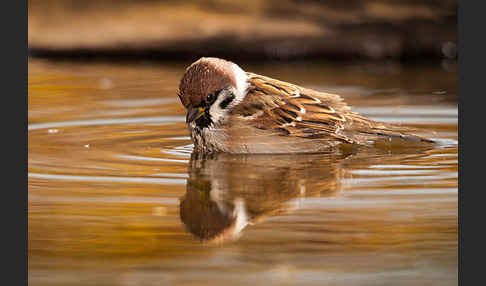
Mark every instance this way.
x=226 y=192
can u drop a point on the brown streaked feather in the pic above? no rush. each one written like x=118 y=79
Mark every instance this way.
x=294 y=111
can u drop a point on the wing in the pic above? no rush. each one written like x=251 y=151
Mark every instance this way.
x=291 y=110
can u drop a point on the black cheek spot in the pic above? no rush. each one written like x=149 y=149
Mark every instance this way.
x=226 y=102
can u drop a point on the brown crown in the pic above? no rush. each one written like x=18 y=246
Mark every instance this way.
x=205 y=76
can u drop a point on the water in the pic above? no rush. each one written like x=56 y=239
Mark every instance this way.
x=115 y=197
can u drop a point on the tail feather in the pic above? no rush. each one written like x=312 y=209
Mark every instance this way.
x=398 y=134
x=364 y=130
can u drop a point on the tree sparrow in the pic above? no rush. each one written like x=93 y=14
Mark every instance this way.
x=230 y=110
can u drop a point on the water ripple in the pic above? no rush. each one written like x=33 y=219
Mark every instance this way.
x=91 y=122
x=147 y=180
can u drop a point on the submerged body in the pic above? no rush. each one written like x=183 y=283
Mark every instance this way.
x=230 y=110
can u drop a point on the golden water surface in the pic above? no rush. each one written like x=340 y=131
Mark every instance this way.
x=116 y=198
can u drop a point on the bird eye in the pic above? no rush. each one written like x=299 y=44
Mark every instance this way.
x=212 y=97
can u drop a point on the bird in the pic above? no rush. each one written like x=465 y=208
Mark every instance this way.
x=233 y=111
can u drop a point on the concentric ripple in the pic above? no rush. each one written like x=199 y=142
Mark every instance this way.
x=110 y=171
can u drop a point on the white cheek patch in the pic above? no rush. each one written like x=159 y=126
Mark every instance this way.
x=218 y=114
x=242 y=84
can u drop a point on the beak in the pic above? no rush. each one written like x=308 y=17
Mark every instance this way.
x=194 y=113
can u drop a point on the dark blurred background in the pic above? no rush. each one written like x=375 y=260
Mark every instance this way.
x=405 y=30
